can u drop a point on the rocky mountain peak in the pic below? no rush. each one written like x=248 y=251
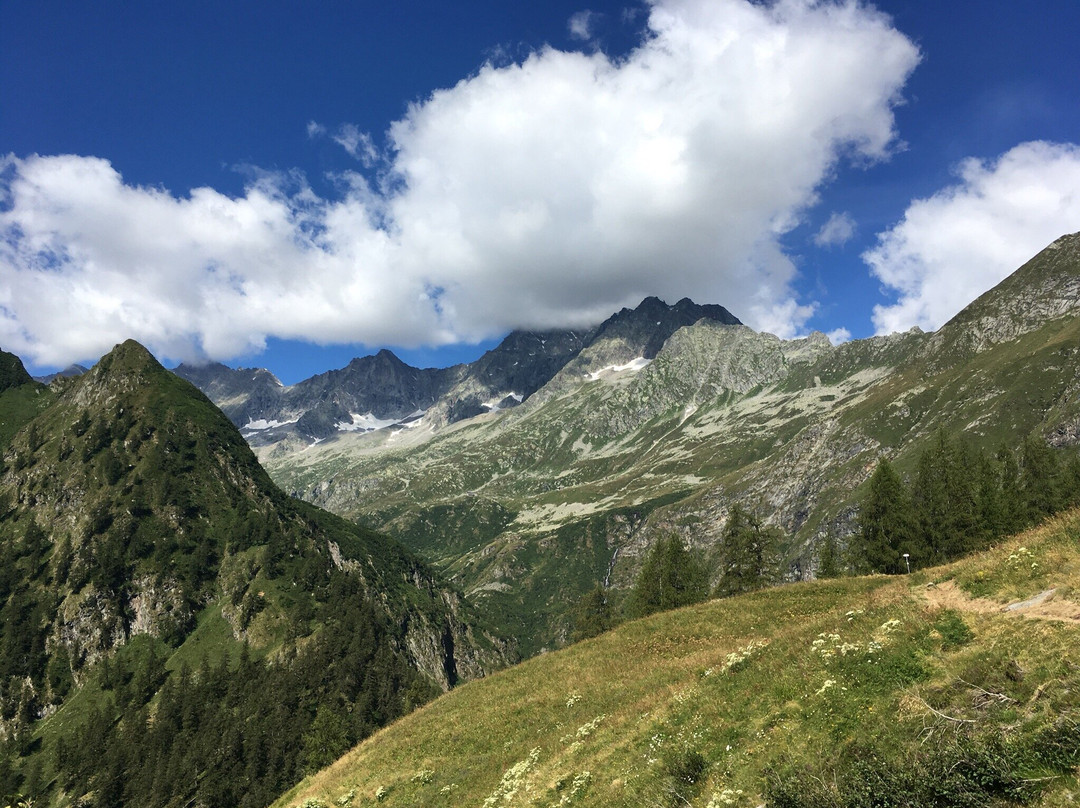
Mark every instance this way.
x=126 y=368
x=1044 y=289
x=650 y=324
x=384 y=356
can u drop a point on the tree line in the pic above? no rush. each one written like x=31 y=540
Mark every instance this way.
x=959 y=499
x=674 y=575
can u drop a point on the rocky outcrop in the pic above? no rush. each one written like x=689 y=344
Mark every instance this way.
x=1045 y=289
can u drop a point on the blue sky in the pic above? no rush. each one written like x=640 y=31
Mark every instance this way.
x=290 y=185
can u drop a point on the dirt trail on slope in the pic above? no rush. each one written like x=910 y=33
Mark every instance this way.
x=1044 y=606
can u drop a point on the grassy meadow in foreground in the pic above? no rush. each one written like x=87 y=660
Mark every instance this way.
x=860 y=691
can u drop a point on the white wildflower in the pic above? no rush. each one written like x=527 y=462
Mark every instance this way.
x=585 y=730
x=729 y=796
x=512 y=780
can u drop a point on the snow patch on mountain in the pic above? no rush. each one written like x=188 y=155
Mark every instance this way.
x=261 y=424
x=366 y=422
x=634 y=365
x=495 y=404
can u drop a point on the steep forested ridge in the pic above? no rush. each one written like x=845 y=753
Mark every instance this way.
x=151 y=573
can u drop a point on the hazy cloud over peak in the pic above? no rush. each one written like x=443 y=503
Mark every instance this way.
x=543 y=193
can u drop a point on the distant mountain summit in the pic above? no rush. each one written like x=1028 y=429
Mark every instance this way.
x=380 y=391
x=653 y=321
x=69 y=372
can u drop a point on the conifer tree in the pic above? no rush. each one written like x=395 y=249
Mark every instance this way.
x=670 y=577
x=944 y=499
x=1072 y=483
x=592 y=615
x=828 y=559
x=1040 y=479
x=1013 y=509
x=748 y=553
x=990 y=498
x=326 y=739
x=886 y=526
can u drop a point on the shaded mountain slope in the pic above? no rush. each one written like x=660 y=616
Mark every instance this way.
x=21 y=398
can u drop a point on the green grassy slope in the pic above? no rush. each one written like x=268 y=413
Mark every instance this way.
x=21 y=398
x=907 y=690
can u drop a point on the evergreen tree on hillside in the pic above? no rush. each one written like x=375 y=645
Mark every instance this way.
x=1041 y=480
x=887 y=527
x=748 y=553
x=828 y=558
x=1013 y=508
x=671 y=577
x=1072 y=483
x=944 y=499
x=592 y=615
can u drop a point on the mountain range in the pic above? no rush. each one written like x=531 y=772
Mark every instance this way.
x=657 y=422
x=181 y=621
x=379 y=391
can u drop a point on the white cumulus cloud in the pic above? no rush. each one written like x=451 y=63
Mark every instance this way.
x=545 y=193
x=950 y=248
x=837 y=231
x=838 y=336
x=580 y=25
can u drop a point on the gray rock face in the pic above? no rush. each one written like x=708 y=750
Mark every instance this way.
x=388 y=390
x=243 y=394
x=648 y=327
